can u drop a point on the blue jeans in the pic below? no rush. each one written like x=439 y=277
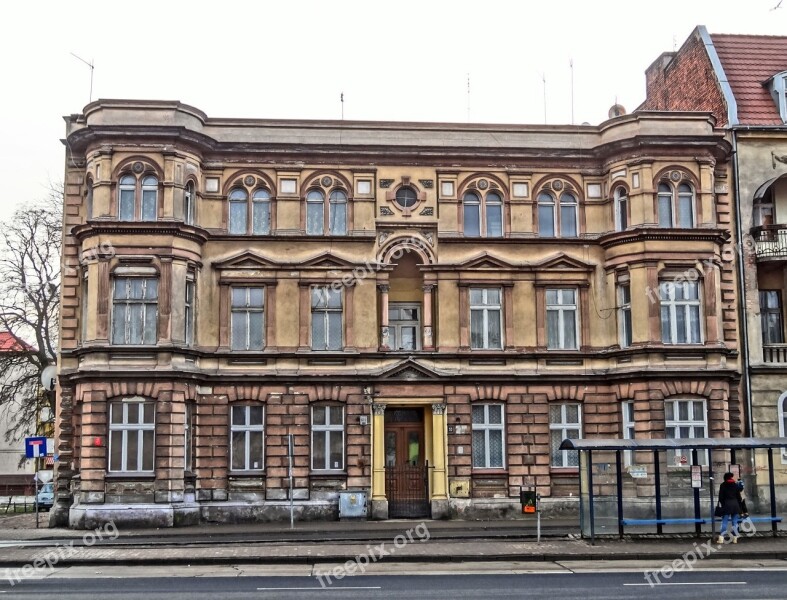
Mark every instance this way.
x=725 y=520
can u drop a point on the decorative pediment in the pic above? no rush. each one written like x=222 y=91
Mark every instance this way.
x=562 y=262
x=409 y=370
x=487 y=261
x=326 y=260
x=246 y=260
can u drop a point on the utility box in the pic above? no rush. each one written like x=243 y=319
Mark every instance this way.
x=352 y=504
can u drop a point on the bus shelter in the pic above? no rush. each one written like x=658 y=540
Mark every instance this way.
x=670 y=482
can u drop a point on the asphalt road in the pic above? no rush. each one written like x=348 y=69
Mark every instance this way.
x=565 y=585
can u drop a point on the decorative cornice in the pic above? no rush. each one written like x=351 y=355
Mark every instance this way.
x=642 y=234
x=173 y=228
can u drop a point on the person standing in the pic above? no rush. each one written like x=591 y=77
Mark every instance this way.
x=730 y=501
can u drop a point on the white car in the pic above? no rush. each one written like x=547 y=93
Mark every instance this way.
x=45 y=498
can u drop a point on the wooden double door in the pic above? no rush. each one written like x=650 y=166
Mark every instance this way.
x=406 y=470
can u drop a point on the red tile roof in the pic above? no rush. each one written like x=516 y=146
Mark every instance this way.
x=748 y=62
x=8 y=343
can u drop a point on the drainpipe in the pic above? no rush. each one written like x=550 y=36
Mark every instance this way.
x=749 y=429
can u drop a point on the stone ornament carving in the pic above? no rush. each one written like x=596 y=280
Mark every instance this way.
x=428 y=211
x=386 y=183
x=427 y=183
x=483 y=184
x=378 y=408
x=249 y=180
x=383 y=236
x=385 y=211
x=782 y=158
x=138 y=167
x=438 y=408
x=326 y=181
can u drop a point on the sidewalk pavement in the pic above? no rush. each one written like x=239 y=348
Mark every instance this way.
x=386 y=541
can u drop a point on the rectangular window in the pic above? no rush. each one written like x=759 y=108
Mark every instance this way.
x=488 y=436
x=188 y=310
x=326 y=318
x=247 y=438
x=771 y=317
x=247 y=321
x=188 y=439
x=135 y=310
x=628 y=429
x=486 y=319
x=546 y=220
x=665 y=208
x=565 y=422
x=624 y=315
x=131 y=436
x=261 y=214
x=404 y=326
x=327 y=438
x=84 y=313
x=680 y=312
x=127 y=206
x=562 y=319
x=684 y=419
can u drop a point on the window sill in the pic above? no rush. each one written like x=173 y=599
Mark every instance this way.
x=491 y=472
x=327 y=474
x=564 y=471
x=246 y=474
x=135 y=475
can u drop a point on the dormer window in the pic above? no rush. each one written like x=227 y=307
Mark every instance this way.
x=778 y=88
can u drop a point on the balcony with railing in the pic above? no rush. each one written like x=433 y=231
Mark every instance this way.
x=774 y=353
x=770 y=242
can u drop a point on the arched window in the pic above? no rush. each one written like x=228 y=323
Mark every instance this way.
x=239 y=207
x=338 y=213
x=127 y=190
x=621 y=208
x=482 y=214
x=676 y=205
x=149 y=198
x=546 y=215
x=138 y=199
x=188 y=203
x=261 y=212
x=472 y=214
x=89 y=200
x=557 y=215
x=315 y=212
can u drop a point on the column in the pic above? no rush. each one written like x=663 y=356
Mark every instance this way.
x=428 y=334
x=439 y=476
x=378 y=451
x=385 y=338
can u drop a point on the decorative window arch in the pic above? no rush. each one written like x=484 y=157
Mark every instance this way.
x=138 y=197
x=482 y=214
x=250 y=201
x=328 y=206
x=676 y=201
x=558 y=210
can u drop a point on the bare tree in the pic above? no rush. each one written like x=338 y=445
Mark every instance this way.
x=30 y=248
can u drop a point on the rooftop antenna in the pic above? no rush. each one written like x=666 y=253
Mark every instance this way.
x=468 y=97
x=341 y=99
x=674 y=43
x=544 y=81
x=92 y=67
x=571 y=66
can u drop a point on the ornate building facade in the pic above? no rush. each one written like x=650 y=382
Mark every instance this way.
x=742 y=81
x=418 y=311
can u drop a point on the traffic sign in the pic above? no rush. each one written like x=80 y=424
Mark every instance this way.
x=35 y=447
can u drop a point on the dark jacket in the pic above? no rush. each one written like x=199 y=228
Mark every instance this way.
x=730 y=498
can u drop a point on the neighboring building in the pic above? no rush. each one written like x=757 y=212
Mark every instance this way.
x=14 y=479
x=742 y=80
x=428 y=309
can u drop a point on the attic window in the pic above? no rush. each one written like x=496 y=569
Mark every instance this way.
x=778 y=88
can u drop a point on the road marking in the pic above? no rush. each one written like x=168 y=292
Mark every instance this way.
x=689 y=583
x=320 y=589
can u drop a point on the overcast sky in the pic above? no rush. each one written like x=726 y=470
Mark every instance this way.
x=401 y=60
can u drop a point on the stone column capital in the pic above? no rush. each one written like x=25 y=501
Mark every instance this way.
x=438 y=408
x=378 y=408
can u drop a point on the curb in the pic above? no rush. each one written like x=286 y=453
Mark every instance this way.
x=341 y=558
